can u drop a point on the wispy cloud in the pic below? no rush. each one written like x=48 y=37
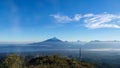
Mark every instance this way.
x=93 y=21
x=104 y=20
x=77 y=17
x=66 y=19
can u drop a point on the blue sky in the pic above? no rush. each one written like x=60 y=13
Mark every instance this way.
x=37 y=20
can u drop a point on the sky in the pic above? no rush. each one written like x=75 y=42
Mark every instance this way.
x=37 y=20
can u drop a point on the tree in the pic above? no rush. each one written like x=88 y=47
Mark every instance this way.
x=13 y=61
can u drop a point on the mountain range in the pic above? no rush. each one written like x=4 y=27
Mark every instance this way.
x=55 y=43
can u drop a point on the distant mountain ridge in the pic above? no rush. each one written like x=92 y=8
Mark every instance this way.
x=51 y=40
x=55 y=43
x=54 y=39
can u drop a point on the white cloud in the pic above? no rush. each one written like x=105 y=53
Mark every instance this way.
x=66 y=19
x=104 y=20
x=61 y=18
x=88 y=15
x=77 y=17
x=93 y=21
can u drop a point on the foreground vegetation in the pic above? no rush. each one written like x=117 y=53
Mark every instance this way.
x=14 y=61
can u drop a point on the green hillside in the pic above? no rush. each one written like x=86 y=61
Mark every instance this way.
x=14 y=61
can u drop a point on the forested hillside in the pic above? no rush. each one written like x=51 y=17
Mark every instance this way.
x=14 y=61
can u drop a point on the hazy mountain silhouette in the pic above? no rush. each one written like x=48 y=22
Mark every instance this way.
x=55 y=43
x=51 y=40
x=59 y=44
x=54 y=39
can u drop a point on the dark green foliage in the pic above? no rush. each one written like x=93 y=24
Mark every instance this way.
x=57 y=62
x=14 y=61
